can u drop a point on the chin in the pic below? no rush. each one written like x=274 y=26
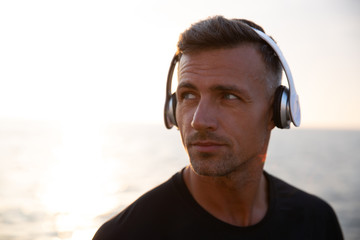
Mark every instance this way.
x=211 y=169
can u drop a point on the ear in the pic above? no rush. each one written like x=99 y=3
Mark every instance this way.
x=271 y=123
x=270 y=120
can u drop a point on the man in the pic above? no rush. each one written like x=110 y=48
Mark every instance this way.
x=223 y=108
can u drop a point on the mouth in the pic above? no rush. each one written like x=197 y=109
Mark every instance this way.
x=206 y=146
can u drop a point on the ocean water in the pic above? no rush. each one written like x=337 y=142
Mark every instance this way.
x=62 y=181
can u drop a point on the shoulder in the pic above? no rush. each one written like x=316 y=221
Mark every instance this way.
x=295 y=207
x=288 y=195
x=145 y=215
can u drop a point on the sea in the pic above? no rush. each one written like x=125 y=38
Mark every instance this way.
x=63 y=180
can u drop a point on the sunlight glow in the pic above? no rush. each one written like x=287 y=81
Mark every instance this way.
x=74 y=192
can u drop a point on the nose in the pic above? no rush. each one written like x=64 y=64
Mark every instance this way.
x=205 y=116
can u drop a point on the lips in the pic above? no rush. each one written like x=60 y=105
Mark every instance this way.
x=206 y=146
x=206 y=142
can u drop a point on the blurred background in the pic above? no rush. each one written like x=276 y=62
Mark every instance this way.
x=82 y=88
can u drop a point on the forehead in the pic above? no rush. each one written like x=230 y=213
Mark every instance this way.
x=242 y=65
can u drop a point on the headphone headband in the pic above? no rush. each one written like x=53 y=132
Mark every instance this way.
x=294 y=98
x=286 y=105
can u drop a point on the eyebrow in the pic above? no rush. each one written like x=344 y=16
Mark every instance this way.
x=186 y=85
x=231 y=88
x=220 y=88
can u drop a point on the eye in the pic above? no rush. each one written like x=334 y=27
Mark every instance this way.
x=187 y=96
x=229 y=96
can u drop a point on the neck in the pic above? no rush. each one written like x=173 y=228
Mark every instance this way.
x=240 y=199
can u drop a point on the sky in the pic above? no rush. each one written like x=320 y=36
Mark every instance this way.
x=107 y=61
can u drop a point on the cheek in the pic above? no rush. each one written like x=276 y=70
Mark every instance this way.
x=258 y=126
x=183 y=119
x=260 y=115
x=183 y=116
x=249 y=126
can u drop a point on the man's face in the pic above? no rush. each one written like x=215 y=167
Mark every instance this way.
x=223 y=110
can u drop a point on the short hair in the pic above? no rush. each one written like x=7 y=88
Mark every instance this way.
x=220 y=33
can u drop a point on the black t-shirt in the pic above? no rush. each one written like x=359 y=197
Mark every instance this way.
x=170 y=212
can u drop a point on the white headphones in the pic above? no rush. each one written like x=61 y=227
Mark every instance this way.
x=286 y=101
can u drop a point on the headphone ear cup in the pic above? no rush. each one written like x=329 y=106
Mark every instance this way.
x=281 y=114
x=170 y=111
x=173 y=106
